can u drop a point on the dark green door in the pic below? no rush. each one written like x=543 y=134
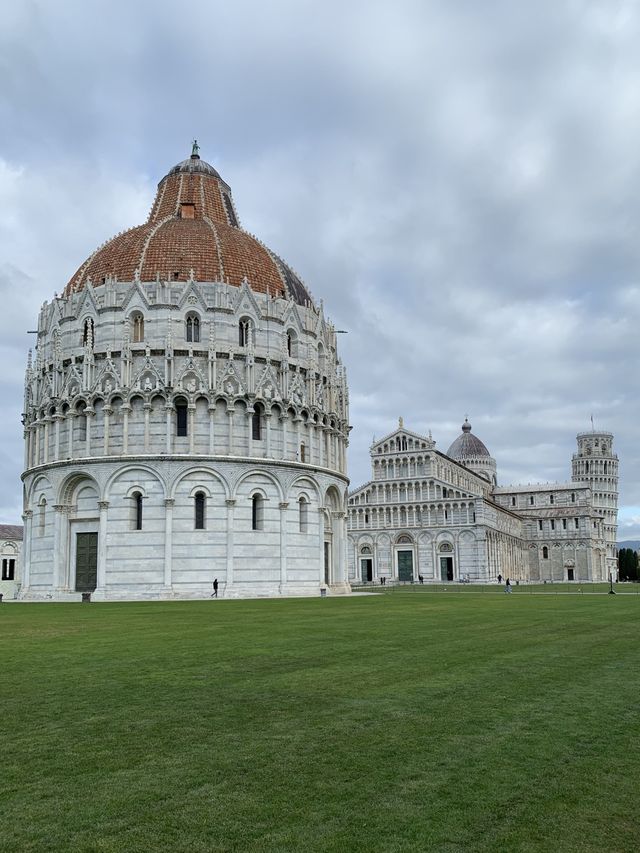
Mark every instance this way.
x=405 y=565
x=366 y=567
x=86 y=561
x=446 y=568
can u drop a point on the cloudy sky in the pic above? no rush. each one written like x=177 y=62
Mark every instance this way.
x=458 y=181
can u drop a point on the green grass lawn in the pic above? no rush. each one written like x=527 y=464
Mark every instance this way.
x=373 y=723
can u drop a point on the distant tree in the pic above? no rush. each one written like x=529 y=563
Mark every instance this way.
x=628 y=564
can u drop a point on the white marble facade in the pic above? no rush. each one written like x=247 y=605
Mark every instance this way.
x=193 y=429
x=10 y=560
x=442 y=517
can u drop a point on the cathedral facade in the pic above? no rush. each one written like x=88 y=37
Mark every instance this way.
x=441 y=517
x=185 y=416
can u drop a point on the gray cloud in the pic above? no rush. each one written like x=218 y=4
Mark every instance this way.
x=458 y=182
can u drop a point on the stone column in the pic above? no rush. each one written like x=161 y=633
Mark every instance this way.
x=191 y=414
x=70 y=422
x=107 y=411
x=230 y=416
x=103 y=506
x=284 y=419
x=60 y=547
x=212 y=415
x=88 y=414
x=27 y=517
x=126 y=408
x=169 y=433
x=147 y=414
x=284 y=506
x=45 y=449
x=321 y=535
x=267 y=429
x=168 y=542
x=56 y=450
x=230 y=513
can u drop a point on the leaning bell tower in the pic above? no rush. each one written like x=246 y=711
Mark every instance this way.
x=596 y=463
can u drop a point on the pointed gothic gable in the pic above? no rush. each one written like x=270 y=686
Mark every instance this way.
x=72 y=384
x=267 y=387
x=230 y=383
x=246 y=302
x=108 y=379
x=148 y=377
x=291 y=317
x=192 y=297
x=190 y=378
x=134 y=290
x=87 y=301
x=297 y=391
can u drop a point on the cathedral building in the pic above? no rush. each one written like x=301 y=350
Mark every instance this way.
x=442 y=517
x=185 y=417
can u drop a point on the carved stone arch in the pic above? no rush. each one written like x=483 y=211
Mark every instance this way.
x=172 y=486
x=134 y=466
x=39 y=483
x=257 y=471
x=307 y=483
x=70 y=485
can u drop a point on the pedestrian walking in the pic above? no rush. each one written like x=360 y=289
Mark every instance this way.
x=499 y=578
x=215 y=588
x=507 y=586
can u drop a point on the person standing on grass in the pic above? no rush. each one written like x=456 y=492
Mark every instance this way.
x=507 y=586
x=215 y=588
x=420 y=578
x=499 y=578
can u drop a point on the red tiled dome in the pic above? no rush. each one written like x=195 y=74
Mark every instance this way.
x=192 y=226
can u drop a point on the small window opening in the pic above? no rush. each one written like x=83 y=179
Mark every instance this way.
x=531 y=499
x=553 y=524
x=88 y=333
x=569 y=574
x=187 y=211
x=138 y=328
x=303 y=515
x=199 y=509
x=545 y=553
x=8 y=570
x=193 y=328
x=550 y=499
x=573 y=497
x=244 y=332
x=540 y=524
x=136 y=513
x=257 y=512
x=577 y=523
x=181 y=418
x=256 y=424
x=303 y=453
x=513 y=501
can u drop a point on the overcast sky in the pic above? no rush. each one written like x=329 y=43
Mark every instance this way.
x=458 y=181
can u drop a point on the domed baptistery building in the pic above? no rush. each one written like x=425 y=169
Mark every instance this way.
x=186 y=416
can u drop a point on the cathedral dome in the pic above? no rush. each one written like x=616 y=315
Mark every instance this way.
x=467 y=446
x=192 y=232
